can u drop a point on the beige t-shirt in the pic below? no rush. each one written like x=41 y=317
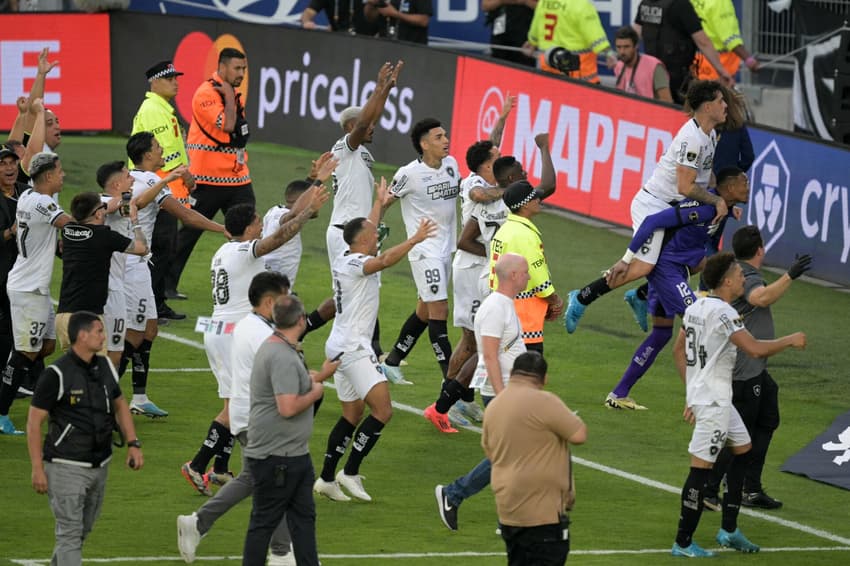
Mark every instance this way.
x=525 y=437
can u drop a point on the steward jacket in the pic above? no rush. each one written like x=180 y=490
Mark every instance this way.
x=79 y=398
x=720 y=23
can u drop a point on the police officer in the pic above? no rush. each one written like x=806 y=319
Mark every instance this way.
x=80 y=396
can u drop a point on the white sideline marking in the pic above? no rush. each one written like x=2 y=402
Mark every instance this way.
x=184 y=370
x=609 y=470
x=400 y=555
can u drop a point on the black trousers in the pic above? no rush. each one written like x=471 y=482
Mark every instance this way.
x=163 y=249
x=210 y=199
x=282 y=485
x=544 y=545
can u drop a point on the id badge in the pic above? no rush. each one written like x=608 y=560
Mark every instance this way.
x=240 y=156
x=500 y=24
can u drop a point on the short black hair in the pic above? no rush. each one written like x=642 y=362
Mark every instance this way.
x=138 y=145
x=229 y=53
x=297 y=186
x=728 y=174
x=716 y=267
x=530 y=363
x=502 y=168
x=420 y=130
x=238 y=217
x=266 y=283
x=84 y=205
x=627 y=32
x=700 y=92
x=288 y=309
x=746 y=242
x=352 y=229
x=107 y=170
x=478 y=154
x=80 y=320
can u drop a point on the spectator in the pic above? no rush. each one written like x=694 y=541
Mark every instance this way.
x=11 y=190
x=672 y=32
x=527 y=435
x=720 y=24
x=509 y=22
x=343 y=16
x=407 y=20
x=72 y=468
x=639 y=73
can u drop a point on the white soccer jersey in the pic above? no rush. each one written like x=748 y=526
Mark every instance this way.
x=496 y=317
x=36 y=243
x=356 y=296
x=249 y=334
x=353 y=182
x=233 y=268
x=466 y=203
x=710 y=354
x=287 y=258
x=142 y=181
x=692 y=148
x=490 y=216
x=123 y=226
x=429 y=193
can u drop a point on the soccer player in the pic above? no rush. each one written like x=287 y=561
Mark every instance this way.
x=688 y=228
x=684 y=171
x=428 y=187
x=233 y=268
x=38 y=216
x=359 y=380
x=151 y=195
x=711 y=333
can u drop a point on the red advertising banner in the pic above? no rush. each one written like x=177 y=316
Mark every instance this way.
x=78 y=89
x=603 y=145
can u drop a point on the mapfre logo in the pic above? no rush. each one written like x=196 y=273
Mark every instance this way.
x=489 y=111
x=197 y=57
x=769 y=185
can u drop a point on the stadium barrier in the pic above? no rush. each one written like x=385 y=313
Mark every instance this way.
x=603 y=142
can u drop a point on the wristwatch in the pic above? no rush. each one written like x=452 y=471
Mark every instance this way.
x=135 y=443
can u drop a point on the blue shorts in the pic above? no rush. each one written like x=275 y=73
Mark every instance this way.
x=669 y=291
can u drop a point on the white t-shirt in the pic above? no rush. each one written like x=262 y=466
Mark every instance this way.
x=123 y=226
x=429 y=193
x=710 y=354
x=36 y=237
x=356 y=296
x=142 y=181
x=497 y=318
x=233 y=268
x=692 y=148
x=287 y=258
x=249 y=334
x=353 y=182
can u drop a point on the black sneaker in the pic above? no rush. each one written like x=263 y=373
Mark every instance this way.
x=760 y=500
x=712 y=503
x=168 y=313
x=175 y=294
x=448 y=512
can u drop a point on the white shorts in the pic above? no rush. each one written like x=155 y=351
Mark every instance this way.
x=643 y=205
x=115 y=320
x=33 y=320
x=715 y=428
x=138 y=293
x=468 y=291
x=431 y=276
x=357 y=374
x=217 y=347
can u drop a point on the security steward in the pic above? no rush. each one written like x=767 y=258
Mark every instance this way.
x=80 y=396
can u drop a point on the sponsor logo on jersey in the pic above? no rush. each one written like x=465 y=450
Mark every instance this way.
x=442 y=191
x=77 y=233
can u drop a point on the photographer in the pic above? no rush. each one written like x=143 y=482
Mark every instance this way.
x=407 y=20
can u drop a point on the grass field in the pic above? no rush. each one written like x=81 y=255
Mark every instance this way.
x=629 y=473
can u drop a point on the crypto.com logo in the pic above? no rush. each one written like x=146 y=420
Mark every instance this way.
x=197 y=56
x=769 y=184
x=488 y=113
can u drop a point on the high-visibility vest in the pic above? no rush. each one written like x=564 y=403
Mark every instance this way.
x=720 y=24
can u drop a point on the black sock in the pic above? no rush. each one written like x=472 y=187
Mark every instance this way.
x=732 y=497
x=593 y=291
x=126 y=356
x=15 y=373
x=376 y=340
x=210 y=447
x=338 y=441
x=221 y=464
x=438 y=332
x=467 y=395
x=643 y=292
x=449 y=394
x=368 y=434
x=691 y=505
x=314 y=322
x=141 y=365
x=411 y=330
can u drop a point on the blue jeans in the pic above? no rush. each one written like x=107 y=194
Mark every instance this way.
x=477 y=479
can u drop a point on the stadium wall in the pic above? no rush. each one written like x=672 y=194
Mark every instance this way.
x=604 y=143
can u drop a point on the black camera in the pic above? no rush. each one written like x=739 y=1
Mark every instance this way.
x=562 y=59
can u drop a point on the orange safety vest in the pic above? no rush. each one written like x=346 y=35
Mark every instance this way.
x=705 y=71
x=588 y=68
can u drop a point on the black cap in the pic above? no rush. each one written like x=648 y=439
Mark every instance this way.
x=7 y=152
x=518 y=194
x=162 y=70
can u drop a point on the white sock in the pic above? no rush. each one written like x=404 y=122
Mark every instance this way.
x=140 y=399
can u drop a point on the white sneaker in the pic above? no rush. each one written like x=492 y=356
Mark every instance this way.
x=188 y=536
x=456 y=417
x=394 y=375
x=287 y=559
x=354 y=485
x=471 y=410
x=330 y=489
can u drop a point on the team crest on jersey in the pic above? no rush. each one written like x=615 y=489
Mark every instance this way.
x=434 y=289
x=693 y=216
x=450 y=171
x=691 y=156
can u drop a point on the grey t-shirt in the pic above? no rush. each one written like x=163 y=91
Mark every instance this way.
x=278 y=370
x=758 y=320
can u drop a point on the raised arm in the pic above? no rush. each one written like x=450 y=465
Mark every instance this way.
x=387 y=78
x=547 y=169
x=318 y=196
x=191 y=217
x=37 y=91
x=149 y=194
x=496 y=133
x=766 y=348
x=769 y=294
x=36 y=141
